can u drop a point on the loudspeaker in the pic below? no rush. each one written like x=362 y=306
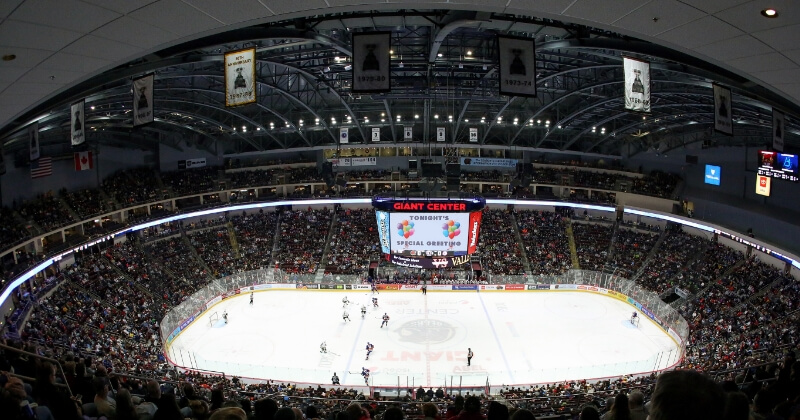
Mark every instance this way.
x=431 y=169
x=453 y=170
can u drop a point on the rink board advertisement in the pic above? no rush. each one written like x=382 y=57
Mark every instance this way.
x=429 y=235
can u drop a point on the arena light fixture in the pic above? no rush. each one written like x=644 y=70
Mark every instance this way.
x=769 y=13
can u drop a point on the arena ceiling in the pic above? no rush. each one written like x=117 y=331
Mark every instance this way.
x=444 y=72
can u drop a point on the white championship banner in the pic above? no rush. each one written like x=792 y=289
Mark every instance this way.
x=440 y=134
x=637 y=84
x=408 y=133
x=473 y=135
x=143 y=100
x=344 y=135
x=723 y=111
x=517 y=66
x=33 y=139
x=240 y=77
x=77 y=121
x=371 y=61
x=376 y=134
x=363 y=161
x=778 y=129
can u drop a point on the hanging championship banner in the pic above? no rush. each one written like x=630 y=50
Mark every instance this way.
x=376 y=134
x=440 y=133
x=77 y=120
x=343 y=135
x=408 y=133
x=637 y=84
x=778 y=129
x=33 y=140
x=143 y=100
x=723 y=110
x=240 y=77
x=517 y=66
x=473 y=135
x=371 y=56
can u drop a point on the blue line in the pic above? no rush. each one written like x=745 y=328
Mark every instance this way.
x=352 y=352
x=497 y=340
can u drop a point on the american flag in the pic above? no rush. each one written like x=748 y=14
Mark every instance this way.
x=42 y=167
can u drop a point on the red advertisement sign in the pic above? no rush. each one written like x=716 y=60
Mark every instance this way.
x=515 y=287
x=474 y=231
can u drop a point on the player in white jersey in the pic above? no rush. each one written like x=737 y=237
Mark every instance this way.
x=385 y=320
x=225 y=316
x=323 y=348
x=345 y=316
x=363 y=311
x=345 y=302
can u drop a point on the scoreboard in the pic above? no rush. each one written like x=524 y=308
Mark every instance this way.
x=428 y=228
x=778 y=165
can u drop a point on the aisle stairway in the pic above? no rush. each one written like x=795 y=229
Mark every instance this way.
x=573 y=249
x=320 y=273
x=234 y=242
x=526 y=264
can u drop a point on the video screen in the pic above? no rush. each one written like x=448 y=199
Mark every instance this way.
x=429 y=234
x=778 y=165
x=712 y=174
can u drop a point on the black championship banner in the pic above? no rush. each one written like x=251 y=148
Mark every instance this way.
x=517 y=66
x=344 y=136
x=778 y=129
x=371 y=60
x=143 y=100
x=240 y=77
x=33 y=140
x=77 y=123
x=723 y=110
x=637 y=84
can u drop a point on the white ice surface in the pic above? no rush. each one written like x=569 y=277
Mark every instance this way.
x=517 y=337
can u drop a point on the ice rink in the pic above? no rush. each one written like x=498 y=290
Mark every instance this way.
x=517 y=337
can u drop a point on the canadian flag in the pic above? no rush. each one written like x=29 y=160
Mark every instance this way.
x=83 y=161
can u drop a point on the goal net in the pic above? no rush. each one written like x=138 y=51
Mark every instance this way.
x=213 y=318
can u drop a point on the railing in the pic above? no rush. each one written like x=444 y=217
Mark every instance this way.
x=195 y=307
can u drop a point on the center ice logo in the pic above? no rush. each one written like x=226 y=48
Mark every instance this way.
x=426 y=331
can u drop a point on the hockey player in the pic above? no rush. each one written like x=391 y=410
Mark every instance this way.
x=345 y=302
x=225 y=316
x=374 y=288
x=335 y=379
x=385 y=320
x=345 y=316
x=251 y=298
x=323 y=348
x=374 y=302
x=370 y=347
x=365 y=374
x=363 y=311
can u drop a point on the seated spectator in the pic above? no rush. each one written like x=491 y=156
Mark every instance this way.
x=686 y=395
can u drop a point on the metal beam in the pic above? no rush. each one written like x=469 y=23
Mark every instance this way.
x=460 y=117
x=494 y=119
x=615 y=116
x=391 y=119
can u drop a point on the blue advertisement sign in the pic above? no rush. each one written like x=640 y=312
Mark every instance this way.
x=383 y=230
x=465 y=287
x=712 y=174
